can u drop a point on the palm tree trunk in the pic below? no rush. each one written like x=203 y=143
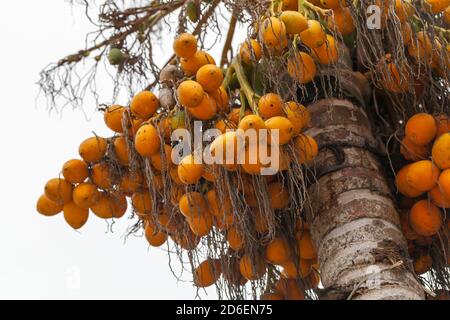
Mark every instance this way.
x=354 y=222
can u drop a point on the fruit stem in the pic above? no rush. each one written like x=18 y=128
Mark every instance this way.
x=228 y=76
x=305 y=5
x=275 y=7
x=245 y=85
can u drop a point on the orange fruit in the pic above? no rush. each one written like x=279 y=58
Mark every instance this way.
x=93 y=149
x=305 y=245
x=253 y=122
x=273 y=33
x=278 y=195
x=185 y=45
x=301 y=67
x=191 y=65
x=342 y=21
x=422 y=175
x=113 y=117
x=210 y=77
x=250 y=51
x=413 y=152
x=144 y=105
x=422 y=264
x=298 y=114
x=101 y=175
x=130 y=182
x=443 y=125
x=147 y=141
x=439 y=197
x=58 y=190
x=142 y=202
x=192 y=204
x=278 y=251
x=207 y=273
x=441 y=151
x=85 y=195
x=252 y=269
x=402 y=183
x=306 y=148
x=205 y=110
x=294 y=21
x=330 y=4
x=289 y=5
x=425 y=218
x=75 y=171
x=281 y=126
x=327 y=53
x=421 y=129
x=234 y=238
x=190 y=93
x=270 y=105
x=121 y=150
x=314 y=36
x=155 y=237
x=222 y=99
x=200 y=224
x=75 y=216
x=47 y=207
x=160 y=163
x=190 y=169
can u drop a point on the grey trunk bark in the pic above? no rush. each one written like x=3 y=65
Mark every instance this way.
x=355 y=225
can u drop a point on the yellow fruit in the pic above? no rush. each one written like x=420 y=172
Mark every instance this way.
x=278 y=251
x=207 y=273
x=205 y=110
x=273 y=33
x=192 y=204
x=294 y=21
x=252 y=269
x=342 y=21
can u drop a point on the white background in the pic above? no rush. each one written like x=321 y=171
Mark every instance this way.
x=41 y=257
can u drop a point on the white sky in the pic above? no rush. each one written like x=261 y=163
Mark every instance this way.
x=42 y=257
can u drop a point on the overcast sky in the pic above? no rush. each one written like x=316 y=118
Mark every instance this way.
x=41 y=257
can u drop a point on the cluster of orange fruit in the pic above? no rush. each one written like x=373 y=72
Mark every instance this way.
x=136 y=163
x=288 y=25
x=425 y=182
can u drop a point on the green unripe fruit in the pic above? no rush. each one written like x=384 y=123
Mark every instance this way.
x=115 y=56
x=193 y=11
x=178 y=120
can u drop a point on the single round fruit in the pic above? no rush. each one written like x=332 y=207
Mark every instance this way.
x=422 y=175
x=402 y=183
x=306 y=247
x=412 y=151
x=270 y=105
x=301 y=67
x=425 y=218
x=250 y=51
x=210 y=77
x=299 y=116
x=58 y=190
x=441 y=151
x=252 y=269
x=191 y=65
x=342 y=21
x=121 y=150
x=142 y=202
x=207 y=273
x=278 y=251
x=144 y=105
x=205 y=110
x=75 y=216
x=282 y=127
x=85 y=195
x=93 y=149
x=47 y=207
x=192 y=204
x=190 y=93
x=190 y=169
x=113 y=117
x=294 y=21
x=101 y=175
x=306 y=149
x=115 y=56
x=314 y=36
x=75 y=171
x=278 y=195
x=185 y=45
x=327 y=53
x=147 y=140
